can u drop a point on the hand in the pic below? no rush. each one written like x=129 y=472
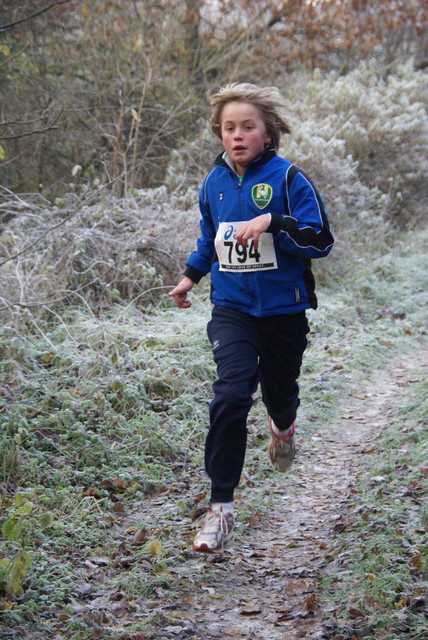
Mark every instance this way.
x=180 y=293
x=252 y=229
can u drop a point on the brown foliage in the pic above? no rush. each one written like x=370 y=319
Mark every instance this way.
x=129 y=79
x=322 y=34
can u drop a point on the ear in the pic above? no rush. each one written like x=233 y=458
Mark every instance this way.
x=268 y=138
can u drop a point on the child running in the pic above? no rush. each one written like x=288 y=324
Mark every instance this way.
x=262 y=221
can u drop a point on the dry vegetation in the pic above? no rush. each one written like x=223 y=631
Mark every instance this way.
x=92 y=246
x=97 y=214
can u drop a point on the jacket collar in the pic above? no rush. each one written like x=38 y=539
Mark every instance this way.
x=267 y=154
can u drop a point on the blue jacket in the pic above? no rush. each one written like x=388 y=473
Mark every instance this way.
x=299 y=229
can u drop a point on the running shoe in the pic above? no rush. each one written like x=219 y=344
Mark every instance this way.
x=216 y=532
x=282 y=448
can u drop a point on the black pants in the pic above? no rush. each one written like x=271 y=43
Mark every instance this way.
x=248 y=350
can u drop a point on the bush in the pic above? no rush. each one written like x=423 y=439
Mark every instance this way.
x=364 y=140
x=103 y=252
x=349 y=135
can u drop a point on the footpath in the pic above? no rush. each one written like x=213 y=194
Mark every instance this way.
x=265 y=588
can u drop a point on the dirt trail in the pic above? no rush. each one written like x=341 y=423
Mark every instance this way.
x=264 y=588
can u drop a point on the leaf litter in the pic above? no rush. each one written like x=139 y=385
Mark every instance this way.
x=292 y=530
x=267 y=586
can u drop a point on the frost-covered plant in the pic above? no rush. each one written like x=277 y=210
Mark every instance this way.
x=361 y=137
x=114 y=249
x=365 y=138
x=188 y=165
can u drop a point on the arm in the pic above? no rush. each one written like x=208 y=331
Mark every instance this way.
x=305 y=232
x=199 y=262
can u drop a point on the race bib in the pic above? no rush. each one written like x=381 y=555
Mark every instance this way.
x=235 y=257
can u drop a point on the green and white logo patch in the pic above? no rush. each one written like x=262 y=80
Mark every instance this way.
x=262 y=195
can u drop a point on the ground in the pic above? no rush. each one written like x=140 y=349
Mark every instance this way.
x=266 y=587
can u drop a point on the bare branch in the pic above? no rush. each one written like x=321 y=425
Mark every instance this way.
x=6 y=123
x=56 y=3
x=10 y=304
x=55 y=226
x=28 y=133
x=49 y=127
x=11 y=57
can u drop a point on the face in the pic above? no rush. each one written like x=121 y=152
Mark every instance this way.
x=243 y=133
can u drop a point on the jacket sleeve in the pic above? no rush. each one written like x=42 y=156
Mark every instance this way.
x=305 y=231
x=199 y=262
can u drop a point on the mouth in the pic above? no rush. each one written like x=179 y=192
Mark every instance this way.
x=239 y=149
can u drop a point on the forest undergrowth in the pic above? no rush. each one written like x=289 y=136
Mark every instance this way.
x=103 y=409
x=105 y=386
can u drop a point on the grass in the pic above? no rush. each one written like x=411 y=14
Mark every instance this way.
x=382 y=581
x=101 y=414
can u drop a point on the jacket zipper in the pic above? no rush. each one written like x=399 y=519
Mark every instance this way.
x=253 y=288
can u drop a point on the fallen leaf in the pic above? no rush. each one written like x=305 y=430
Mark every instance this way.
x=402 y=603
x=174 y=629
x=155 y=548
x=311 y=603
x=250 y=610
x=416 y=561
x=284 y=615
x=114 y=483
x=63 y=617
x=130 y=529
x=253 y=520
x=209 y=590
x=139 y=537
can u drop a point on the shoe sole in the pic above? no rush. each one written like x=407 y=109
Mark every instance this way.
x=204 y=548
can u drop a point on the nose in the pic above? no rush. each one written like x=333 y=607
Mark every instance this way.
x=238 y=133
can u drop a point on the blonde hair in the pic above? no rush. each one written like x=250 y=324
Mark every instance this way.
x=268 y=100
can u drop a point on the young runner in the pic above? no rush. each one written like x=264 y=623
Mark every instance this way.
x=262 y=221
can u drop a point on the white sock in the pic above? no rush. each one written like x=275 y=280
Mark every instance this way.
x=226 y=507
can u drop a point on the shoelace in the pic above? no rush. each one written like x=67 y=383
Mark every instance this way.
x=211 y=526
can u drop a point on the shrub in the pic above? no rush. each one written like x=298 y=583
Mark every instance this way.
x=115 y=249
x=362 y=138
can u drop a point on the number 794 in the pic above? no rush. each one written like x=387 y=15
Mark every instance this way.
x=242 y=253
